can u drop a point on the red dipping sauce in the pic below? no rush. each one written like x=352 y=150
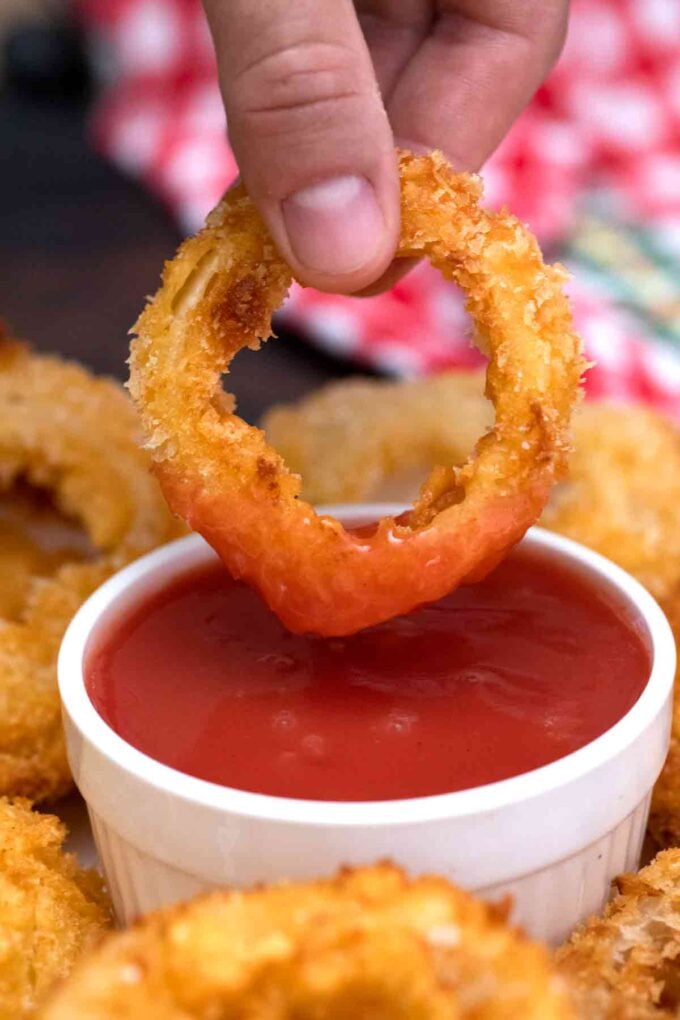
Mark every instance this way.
x=492 y=681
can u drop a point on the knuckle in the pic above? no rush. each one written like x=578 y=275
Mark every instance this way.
x=299 y=84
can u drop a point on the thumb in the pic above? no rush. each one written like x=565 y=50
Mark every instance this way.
x=310 y=135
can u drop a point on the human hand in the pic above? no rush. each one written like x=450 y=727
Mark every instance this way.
x=319 y=92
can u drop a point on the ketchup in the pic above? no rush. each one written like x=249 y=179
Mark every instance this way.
x=494 y=680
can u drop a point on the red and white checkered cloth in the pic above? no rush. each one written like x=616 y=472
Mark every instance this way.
x=606 y=121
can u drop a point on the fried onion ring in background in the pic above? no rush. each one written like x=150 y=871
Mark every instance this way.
x=67 y=433
x=35 y=539
x=624 y=965
x=369 y=942
x=222 y=477
x=360 y=440
x=51 y=911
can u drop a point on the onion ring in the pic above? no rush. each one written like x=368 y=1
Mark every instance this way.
x=220 y=475
x=65 y=432
x=368 y=943
x=52 y=912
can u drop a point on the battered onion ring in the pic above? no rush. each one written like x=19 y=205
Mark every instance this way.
x=368 y=943
x=52 y=912
x=219 y=474
x=76 y=437
x=624 y=964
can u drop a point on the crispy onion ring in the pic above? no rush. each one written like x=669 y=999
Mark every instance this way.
x=623 y=965
x=75 y=437
x=369 y=943
x=52 y=912
x=220 y=475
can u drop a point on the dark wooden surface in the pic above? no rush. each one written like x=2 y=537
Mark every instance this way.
x=80 y=246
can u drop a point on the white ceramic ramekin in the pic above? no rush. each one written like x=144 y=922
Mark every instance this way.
x=553 y=838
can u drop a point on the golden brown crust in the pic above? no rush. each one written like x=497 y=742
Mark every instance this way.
x=624 y=965
x=51 y=911
x=218 y=473
x=622 y=496
x=64 y=431
x=369 y=942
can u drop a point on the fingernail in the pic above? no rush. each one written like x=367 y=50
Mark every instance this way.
x=335 y=226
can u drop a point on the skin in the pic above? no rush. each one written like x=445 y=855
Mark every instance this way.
x=318 y=93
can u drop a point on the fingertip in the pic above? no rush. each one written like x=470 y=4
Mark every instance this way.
x=340 y=233
x=334 y=227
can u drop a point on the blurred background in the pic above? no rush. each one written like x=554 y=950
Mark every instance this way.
x=113 y=145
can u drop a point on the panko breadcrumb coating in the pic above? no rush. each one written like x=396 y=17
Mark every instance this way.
x=368 y=943
x=51 y=911
x=625 y=965
x=76 y=437
x=622 y=496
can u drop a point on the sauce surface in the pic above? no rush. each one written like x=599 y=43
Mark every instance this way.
x=494 y=680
